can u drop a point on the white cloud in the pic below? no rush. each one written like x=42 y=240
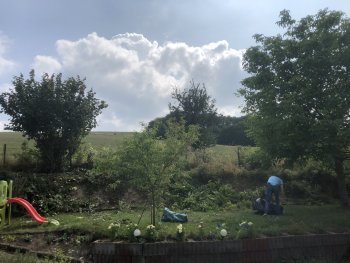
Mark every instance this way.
x=230 y=111
x=5 y=87
x=46 y=64
x=136 y=76
x=6 y=65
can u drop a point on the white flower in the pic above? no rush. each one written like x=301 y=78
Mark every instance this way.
x=137 y=233
x=250 y=224
x=223 y=232
x=151 y=227
x=179 y=228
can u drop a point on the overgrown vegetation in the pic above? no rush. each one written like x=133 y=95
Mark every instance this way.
x=219 y=177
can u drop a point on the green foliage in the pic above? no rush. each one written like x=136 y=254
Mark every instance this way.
x=227 y=131
x=151 y=233
x=313 y=183
x=208 y=197
x=55 y=113
x=231 y=131
x=51 y=193
x=60 y=257
x=196 y=107
x=180 y=232
x=9 y=238
x=19 y=258
x=148 y=163
x=246 y=230
x=105 y=172
x=298 y=92
x=28 y=158
x=258 y=159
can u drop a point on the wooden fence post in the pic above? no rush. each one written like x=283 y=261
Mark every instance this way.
x=4 y=157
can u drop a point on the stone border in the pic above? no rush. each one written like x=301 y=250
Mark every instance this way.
x=329 y=247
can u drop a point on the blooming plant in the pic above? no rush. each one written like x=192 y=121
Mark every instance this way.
x=133 y=232
x=180 y=233
x=151 y=233
x=114 y=230
x=245 y=230
x=222 y=231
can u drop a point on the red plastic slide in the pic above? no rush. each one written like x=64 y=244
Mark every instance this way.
x=30 y=209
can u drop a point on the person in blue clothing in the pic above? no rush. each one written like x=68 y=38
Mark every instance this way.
x=274 y=187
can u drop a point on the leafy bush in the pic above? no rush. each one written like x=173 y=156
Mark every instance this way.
x=27 y=159
x=258 y=159
x=64 y=192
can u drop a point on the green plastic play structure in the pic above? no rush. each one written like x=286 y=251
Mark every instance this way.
x=5 y=194
x=6 y=200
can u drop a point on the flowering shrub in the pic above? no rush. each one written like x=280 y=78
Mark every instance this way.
x=246 y=230
x=121 y=230
x=151 y=233
x=223 y=233
x=180 y=233
x=114 y=230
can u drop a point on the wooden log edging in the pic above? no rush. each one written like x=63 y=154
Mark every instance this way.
x=329 y=247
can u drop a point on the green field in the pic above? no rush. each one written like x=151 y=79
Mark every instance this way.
x=97 y=140
x=223 y=155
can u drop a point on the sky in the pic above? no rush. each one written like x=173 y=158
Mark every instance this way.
x=134 y=53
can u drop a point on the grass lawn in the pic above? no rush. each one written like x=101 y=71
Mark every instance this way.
x=296 y=220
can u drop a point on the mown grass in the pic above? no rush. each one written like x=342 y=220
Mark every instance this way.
x=296 y=220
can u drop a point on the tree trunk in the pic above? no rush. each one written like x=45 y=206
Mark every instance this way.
x=339 y=170
x=153 y=212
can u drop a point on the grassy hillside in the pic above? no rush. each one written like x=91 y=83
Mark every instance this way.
x=222 y=156
x=14 y=140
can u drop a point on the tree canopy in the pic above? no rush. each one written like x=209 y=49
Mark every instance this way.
x=55 y=113
x=196 y=107
x=298 y=94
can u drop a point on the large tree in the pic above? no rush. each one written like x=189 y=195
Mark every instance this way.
x=298 y=93
x=196 y=107
x=55 y=113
